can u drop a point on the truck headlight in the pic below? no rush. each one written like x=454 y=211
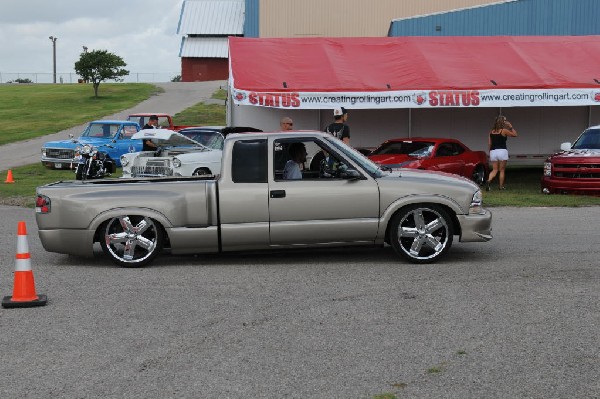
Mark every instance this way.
x=176 y=163
x=547 y=169
x=476 y=207
x=44 y=152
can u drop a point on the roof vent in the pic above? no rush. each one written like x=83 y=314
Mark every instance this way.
x=494 y=82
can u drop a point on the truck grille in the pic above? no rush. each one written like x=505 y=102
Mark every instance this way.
x=60 y=153
x=153 y=168
x=577 y=171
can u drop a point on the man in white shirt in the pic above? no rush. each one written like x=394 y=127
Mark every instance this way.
x=293 y=167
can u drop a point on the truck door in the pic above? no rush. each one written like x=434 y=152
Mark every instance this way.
x=324 y=206
x=244 y=197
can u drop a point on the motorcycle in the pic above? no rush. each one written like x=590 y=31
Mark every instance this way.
x=94 y=163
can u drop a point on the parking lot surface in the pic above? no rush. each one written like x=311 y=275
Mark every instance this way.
x=517 y=317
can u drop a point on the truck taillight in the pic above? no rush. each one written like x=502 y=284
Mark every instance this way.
x=42 y=204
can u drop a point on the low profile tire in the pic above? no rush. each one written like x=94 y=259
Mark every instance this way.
x=478 y=175
x=421 y=233
x=132 y=240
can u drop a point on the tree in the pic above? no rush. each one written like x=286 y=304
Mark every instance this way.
x=99 y=65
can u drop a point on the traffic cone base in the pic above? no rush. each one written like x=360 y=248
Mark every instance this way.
x=24 y=295
x=9 y=177
x=7 y=302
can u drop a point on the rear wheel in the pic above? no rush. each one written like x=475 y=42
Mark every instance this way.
x=478 y=175
x=132 y=240
x=421 y=233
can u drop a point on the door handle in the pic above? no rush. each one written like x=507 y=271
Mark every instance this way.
x=277 y=193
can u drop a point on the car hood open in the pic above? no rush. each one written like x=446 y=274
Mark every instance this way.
x=166 y=138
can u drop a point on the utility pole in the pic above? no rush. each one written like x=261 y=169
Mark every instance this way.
x=53 y=40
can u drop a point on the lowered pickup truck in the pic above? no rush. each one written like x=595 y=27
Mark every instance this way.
x=345 y=200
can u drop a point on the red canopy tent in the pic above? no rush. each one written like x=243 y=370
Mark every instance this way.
x=415 y=72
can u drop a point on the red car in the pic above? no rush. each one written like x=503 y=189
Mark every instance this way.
x=441 y=154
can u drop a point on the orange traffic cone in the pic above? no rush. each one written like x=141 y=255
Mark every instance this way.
x=24 y=295
x=9 y=178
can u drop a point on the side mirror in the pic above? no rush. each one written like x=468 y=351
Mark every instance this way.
x=565 y=146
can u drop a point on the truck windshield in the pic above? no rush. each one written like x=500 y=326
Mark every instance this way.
x=369 y=166
x=105 y=130
x=589 y=140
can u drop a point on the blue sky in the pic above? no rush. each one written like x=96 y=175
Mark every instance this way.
x=142 y=32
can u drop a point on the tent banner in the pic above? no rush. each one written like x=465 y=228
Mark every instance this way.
x=419 y=98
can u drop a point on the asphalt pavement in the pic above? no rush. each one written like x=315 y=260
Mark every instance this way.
x=516 y=317
x=176 y=97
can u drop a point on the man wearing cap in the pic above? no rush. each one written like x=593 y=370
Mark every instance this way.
x=339 y=128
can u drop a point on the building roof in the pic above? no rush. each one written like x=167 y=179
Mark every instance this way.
x=211 y=18
x=204 y=47
x=417 y=65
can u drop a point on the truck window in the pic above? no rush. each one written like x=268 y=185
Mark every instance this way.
x=249 y=161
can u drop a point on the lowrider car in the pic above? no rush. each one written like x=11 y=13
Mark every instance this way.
x=439 y=154
x=177 y=155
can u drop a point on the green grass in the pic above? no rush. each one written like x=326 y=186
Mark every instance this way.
x=29 y=111
x=202 y=114
x=220 y=94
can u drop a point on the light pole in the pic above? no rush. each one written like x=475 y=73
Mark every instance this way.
x=53 y=40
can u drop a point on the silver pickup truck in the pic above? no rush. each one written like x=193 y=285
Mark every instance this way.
x=341 y=198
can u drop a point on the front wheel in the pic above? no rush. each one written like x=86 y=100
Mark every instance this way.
x=79 y=171
x=421 y=233
x=132 y=240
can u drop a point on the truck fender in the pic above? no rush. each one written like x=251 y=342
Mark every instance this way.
x=448 y=203
x=115 y=212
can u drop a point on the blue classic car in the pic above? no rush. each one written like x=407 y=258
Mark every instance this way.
x=112 y=137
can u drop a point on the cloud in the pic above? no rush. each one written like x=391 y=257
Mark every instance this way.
x=142 y=32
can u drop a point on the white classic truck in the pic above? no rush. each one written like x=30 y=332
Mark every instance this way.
x=344 y=199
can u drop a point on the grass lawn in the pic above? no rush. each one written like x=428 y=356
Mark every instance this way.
x=29 y=111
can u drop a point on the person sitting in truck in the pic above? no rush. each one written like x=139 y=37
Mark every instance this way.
x=293 y=168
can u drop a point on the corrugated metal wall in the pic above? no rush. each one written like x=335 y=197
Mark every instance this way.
x=516 y=18
x=337 y=18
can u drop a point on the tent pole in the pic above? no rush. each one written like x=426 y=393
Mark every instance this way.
x=589 y=116
x=410 y=122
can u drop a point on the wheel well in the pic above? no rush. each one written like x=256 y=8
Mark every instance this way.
x=449 y=211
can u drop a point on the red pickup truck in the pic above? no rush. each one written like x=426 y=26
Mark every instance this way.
x=576 y=169
x=165 y=121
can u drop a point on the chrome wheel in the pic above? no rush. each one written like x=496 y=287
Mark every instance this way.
x=421 y=234
x=132 y=241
